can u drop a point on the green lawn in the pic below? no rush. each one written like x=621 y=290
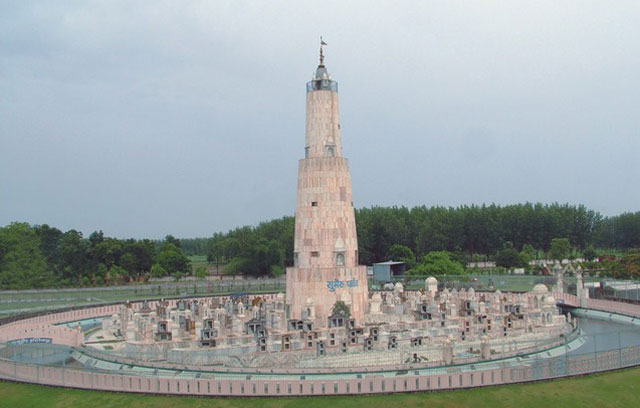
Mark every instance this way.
x=616 y=389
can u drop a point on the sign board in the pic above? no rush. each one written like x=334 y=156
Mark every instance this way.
x=31 y=340
x=335 y=284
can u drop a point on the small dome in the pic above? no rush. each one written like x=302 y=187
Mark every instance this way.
x=550 y=301
x=398 y=287
x=321 y=73
x=431 y=281
x=540 y=288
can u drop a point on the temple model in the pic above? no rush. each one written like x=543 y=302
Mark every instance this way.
x=429 y=326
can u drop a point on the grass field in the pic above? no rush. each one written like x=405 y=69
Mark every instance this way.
x=615 y=389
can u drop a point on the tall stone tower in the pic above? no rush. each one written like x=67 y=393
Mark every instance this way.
x=326 y=245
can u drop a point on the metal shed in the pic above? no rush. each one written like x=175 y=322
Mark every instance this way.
x=386 y=271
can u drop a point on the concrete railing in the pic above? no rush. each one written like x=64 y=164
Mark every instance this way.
x=543 y=369
x=79 y=378
x=610 y=306
x=614 y=307
x=68 y=316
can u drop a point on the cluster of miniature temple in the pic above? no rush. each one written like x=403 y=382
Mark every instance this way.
x=298 y=328
x=232 y=331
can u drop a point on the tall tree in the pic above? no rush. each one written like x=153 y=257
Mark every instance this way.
x=22 y=264
x=560 y=248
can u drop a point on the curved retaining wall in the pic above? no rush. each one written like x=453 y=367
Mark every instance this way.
x=53 y=334
x=446 y=378
x=610 y=306
x=78 y=378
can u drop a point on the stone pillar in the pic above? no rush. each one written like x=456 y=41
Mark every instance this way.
x=559 y=274
x=583 y=293
x=447 y=352
x=485 y=348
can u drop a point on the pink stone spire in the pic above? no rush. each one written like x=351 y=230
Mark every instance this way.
x=325 y=244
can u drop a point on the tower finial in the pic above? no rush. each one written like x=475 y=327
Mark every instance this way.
x=322 y=44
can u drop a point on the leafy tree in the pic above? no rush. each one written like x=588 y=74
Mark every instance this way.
x=341 y=309
x=631 y=263
x=96 y=237
x=170 y=239
x=128 y=262
x=252 y=254
x=437 y=263
x=138 y=257
x=74 y=256
x=49 y=245
x=530 y=251
x=589 y=254
x=276 y=270
x=478 y=258
x=173 y=261
x=525 y=258
x=237 y=266
x=101 y=275
x=107 y=252
x=560 y=248
x=262 y=255
x=116 y=274
x=402 y=253
x=215 y=251
x=22 y=264
x=201 y=272
x=509 y=257
x=157 y=271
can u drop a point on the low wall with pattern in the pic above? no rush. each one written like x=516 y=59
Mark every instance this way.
x=546 y=369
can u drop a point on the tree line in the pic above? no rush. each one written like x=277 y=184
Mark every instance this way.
x=478 y=229
x=467 y=233
x=40 y=256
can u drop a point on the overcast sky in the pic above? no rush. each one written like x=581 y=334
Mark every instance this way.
x=149 y=118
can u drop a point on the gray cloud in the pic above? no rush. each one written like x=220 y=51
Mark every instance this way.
x=148 y=118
